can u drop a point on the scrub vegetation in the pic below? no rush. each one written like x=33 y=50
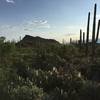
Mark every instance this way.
x=43 y=69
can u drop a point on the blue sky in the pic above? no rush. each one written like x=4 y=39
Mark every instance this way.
x=56 y=19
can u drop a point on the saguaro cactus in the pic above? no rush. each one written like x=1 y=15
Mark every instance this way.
x=83 y=38
x=70 y=40
x=97 y=31
x=80 y=42
x=87 y=37
x=93 y=32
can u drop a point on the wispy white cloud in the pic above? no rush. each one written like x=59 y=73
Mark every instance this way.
x=10 y=1
x=36 y=24
x=27 y=27
x=40 y=24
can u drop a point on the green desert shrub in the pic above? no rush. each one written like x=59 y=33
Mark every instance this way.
x=26 y=93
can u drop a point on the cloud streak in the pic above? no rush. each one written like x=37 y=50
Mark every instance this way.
x=37 y=24
x=40 y=24
x=10 y=1
x=36 y=27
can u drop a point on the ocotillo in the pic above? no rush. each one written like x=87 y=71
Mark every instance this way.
x=87 y=37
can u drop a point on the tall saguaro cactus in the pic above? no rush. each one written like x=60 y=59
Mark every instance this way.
x=87 y=37
x=70 y=40
x=97 y=31
x=80 y=42
x=83 y=38
x=93 y=32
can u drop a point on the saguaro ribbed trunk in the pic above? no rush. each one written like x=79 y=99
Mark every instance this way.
x=93 y=32
x=83 y=38
x=70 y=40
x=80 y=42
x=97 y=31
x=87 y=37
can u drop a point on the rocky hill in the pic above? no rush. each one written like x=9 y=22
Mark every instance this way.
x=30 y=41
